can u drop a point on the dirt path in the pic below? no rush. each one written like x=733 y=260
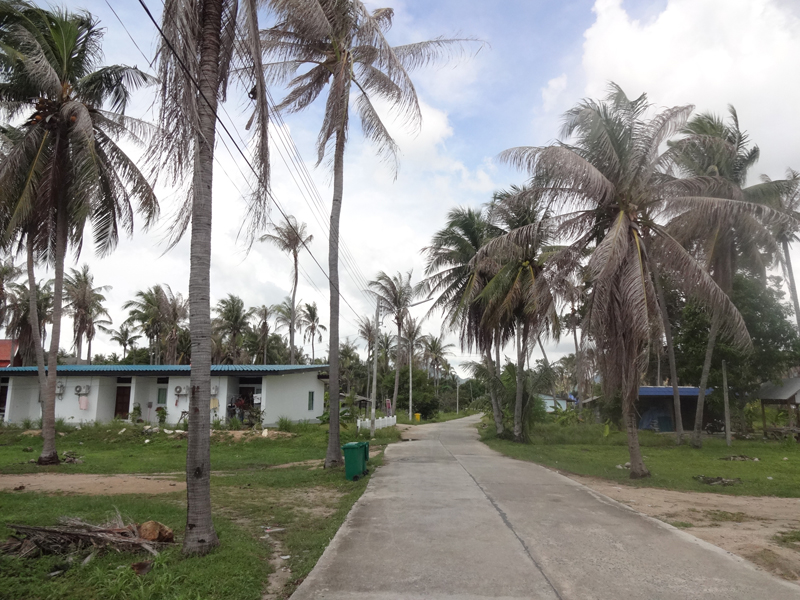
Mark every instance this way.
x=742 y=525
x=92 y=485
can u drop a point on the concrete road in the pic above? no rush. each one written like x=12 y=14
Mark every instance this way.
x=447 y=518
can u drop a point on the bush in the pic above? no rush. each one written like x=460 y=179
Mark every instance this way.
x=234 y=424
x=426 y=405
x=285 y=424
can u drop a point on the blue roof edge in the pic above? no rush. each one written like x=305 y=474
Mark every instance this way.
x=152 y=369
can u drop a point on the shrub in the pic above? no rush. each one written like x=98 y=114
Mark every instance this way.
x=285 y=424
x=234 y=424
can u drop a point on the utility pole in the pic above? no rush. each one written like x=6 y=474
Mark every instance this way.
x=375 y=370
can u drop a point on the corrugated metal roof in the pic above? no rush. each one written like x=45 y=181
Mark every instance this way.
x=168 y=369
x=785 y=391
x=666 y=390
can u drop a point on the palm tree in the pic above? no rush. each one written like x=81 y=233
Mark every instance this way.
x=18 y=324
x=437 y=350
x=9 y=273
x=284 y=317
x=786 y=233
x=84 y=303
x=366 y=331
x=457 y=278
x=62 y=167
x=413 y=340
x=309 y=320
x=517 y=297
x=609 y=182
x=263 y=313
x=290 y=237
x=713 y=148
x=340 y=44
x=395 y=295
x=145 y=313
x=125 y=337
x=173 y=312
x=204 y=43
x=232 y=322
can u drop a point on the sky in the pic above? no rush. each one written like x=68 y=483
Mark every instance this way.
x=539 y=58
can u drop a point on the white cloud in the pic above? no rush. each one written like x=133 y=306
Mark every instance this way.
x=553 y=92
x=710 y=53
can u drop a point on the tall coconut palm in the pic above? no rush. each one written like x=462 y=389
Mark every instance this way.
x=61 y=167
x=515 y=298
x=786 y=233
x=263 y=313
x=725 y=239
x=608 y=181
x=145 y=313
x=456 y=279
x=19 y=323
x=340 y=44
x=173 y=312
x=284 y=317
x=84 y=303
x=413 y=339
x=9 y=273
x=395 y=295
x=309 y=322
x=231 y=323
x=366 y=331
x=291 y=237
x=437 y=351
x=204 y=44
x=125 y=337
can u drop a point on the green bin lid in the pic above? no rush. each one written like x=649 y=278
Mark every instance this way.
x=351 y=445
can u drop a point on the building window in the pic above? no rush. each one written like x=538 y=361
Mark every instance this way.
x=310 y=400
x=162 y=395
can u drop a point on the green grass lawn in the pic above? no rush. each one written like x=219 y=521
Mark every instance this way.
x=105 y=450
x=310 y=504
x=583 y=450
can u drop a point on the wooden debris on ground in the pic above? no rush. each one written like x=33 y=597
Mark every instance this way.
x=716 y=480
x=739 y=457
x=75 y=535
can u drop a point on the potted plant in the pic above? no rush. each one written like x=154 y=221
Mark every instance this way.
x=136 y=413
x=161 y=411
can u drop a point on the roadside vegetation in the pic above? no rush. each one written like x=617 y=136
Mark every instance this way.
x=596 y=451
x=306 y=502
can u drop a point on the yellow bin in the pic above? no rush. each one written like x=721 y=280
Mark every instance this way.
x=417 y=417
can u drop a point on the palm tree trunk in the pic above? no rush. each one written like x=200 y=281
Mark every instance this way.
x=333 y=457
x=33 y=319
x=200 y=536
x=792 y=286
x=49 y=454
x=578 y=365
x=396 y=372
x=673 y=370
x=697 y=439
x=629 y=396
x=292 y=359
x=497 y=412
x=79 y=347
x=521 y=331
x=88 y=350
x=312 y=349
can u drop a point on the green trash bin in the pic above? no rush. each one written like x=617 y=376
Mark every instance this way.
x=366 y=453
x=354 y=464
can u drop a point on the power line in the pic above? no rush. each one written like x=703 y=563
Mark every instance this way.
x=191 y=77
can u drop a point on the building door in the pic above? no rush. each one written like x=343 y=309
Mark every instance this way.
x=123 y=402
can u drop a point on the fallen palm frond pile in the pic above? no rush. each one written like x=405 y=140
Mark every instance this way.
x=76 y=535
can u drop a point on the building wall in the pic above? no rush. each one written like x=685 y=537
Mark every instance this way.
x=282 y=396
x=287 y=396
x=23 y=399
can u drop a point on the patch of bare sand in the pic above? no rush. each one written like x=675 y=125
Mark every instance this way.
x=248 y=434
x=742 y=525
x=92 y=485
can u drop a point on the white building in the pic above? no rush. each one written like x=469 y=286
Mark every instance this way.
x=87 y=393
